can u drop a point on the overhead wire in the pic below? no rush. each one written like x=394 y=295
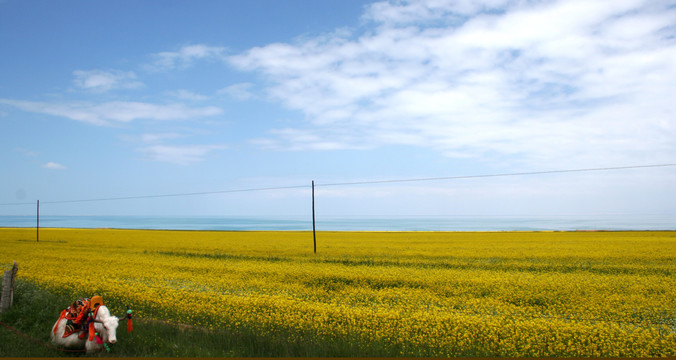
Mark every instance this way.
x=350 y=183
x=496 y=175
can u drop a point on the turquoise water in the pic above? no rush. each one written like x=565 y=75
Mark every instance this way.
x=450 y=223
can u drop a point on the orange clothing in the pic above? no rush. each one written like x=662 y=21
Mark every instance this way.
x=76 y=316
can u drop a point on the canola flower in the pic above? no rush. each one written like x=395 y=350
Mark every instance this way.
x=562 y=294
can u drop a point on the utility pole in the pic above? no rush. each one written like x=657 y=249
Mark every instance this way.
x=37 y=228
x=314 y=228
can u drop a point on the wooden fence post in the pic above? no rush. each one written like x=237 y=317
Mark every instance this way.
x=7 y=295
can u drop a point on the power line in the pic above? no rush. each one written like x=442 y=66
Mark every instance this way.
x=496 y=175
x=163 y=195
x=351 y=183
x=181 y=194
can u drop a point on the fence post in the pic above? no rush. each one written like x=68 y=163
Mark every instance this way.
x=7 y=295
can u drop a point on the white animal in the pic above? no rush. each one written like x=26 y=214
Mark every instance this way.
x=105 y=324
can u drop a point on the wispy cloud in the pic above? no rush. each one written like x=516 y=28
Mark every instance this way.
x=152 y=138
x=241 y=91
x=27 y=152
x=181 y=155
x=158 y=147
x=308 y=139
x=53 y=166
x=114 y=112
x=411 y=12
x=568 y=81
x=186 y=56
x=101 y=81
x=188 y=95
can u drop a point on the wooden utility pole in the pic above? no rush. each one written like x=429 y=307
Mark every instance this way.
x=314 y=228
x=37 y=227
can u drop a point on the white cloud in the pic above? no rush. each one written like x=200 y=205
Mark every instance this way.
x=27 y=152
x=407 y=12
x=151 y=138
x=101 y=81
x=186 y=56
x=553 y=81
x=155 y=147
x=301 y=139
x=188 y=95
x=114 y=112
x=181 y=155
x=54 y=166
x=241 y=91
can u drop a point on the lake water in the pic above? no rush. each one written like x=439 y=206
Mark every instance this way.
x=449 y=223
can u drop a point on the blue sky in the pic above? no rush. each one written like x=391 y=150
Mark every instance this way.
x=105 y=99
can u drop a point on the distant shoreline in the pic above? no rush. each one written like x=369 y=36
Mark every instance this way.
x=645 y=222
x=340 y=231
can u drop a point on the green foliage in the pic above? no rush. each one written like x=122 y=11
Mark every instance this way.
x=35 y=310
x=33 y=314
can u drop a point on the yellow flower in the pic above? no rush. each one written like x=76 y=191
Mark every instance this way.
x=424 y=293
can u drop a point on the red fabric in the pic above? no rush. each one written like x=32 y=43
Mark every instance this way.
x=61 y=317
x=76 y=317
x=92 y=331
x=130 y=325
x=83 y=312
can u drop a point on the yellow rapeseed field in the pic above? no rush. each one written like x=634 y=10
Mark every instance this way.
x=563 y=294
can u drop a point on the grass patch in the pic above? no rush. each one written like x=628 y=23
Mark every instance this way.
x=35 y=310
x=218 y=256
